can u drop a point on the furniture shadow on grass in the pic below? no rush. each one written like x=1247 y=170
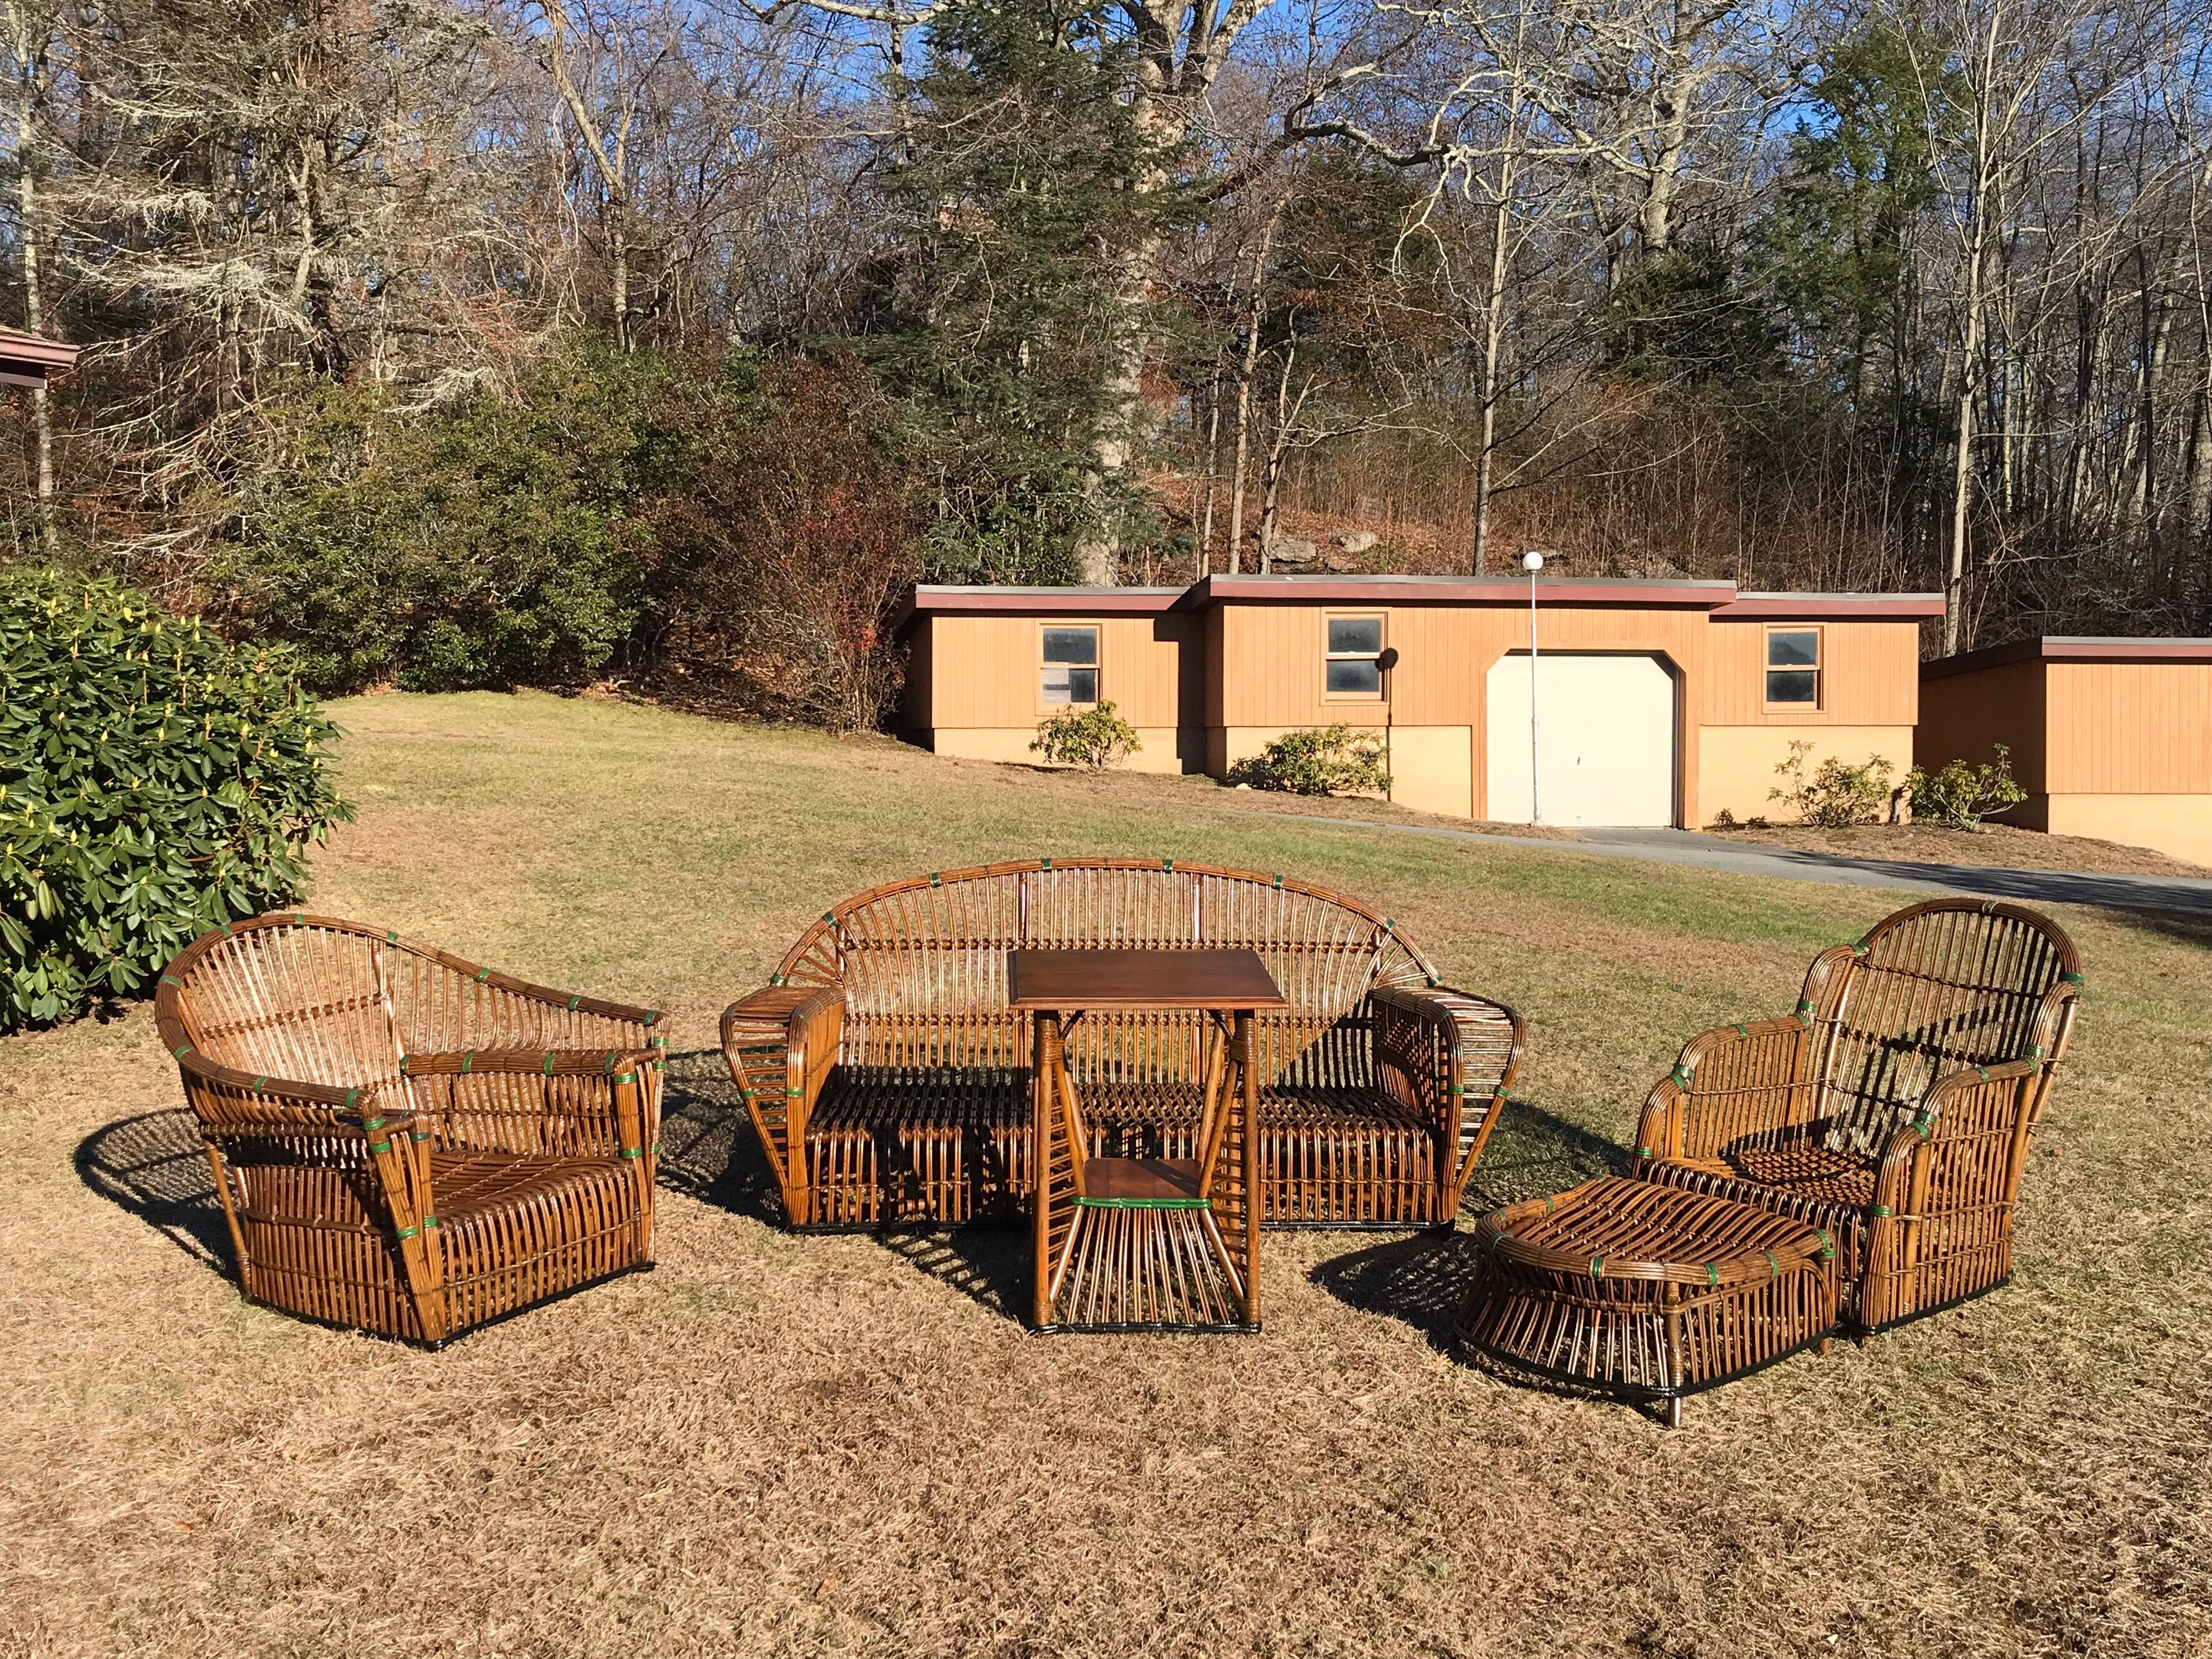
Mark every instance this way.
x=708 y=1147
x=155 y=1166
x=708 y=1151
x=1425 y=1279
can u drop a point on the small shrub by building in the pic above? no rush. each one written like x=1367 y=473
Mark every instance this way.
x=1838 y=794
x=1329 y=760
x=1961 y=796
x=154 y=781
x=1094 y=737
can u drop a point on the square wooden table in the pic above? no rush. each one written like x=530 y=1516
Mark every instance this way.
x=1125 y=1243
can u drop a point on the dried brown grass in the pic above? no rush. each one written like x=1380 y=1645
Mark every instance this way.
x=1998 y=846
x=799 y=1445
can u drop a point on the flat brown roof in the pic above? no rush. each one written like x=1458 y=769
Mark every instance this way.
x=1461 y=590
x=2071 y=648
x=1720 y=598
x=1831 y=607
x=27 y=359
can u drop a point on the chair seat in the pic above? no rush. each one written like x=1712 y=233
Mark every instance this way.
x=1806 y=1170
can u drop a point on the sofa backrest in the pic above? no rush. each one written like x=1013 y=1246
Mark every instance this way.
x=923 y=963
x=1940 y=986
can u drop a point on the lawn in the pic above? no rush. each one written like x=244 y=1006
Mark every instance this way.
x=774 y=1445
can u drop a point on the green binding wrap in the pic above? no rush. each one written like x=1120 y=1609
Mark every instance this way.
x=1144 y=1203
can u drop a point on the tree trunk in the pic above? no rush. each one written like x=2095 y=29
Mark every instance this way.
x=1493 y=335
x=29 y=60
x=1254 y=312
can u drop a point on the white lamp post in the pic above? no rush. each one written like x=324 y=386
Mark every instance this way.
x=1532 y=562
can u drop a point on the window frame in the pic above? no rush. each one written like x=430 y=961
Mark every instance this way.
x=1382 y=621
x=1818 y=668
x=1045 y=704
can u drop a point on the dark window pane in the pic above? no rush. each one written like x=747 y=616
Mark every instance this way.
x=1792 y=685
x=1355 y=634
x=1354 y=674
x=1071 y=645
x=1793 y=650
x=1083 y=685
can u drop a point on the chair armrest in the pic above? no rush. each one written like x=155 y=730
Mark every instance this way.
x=1452 y=1055
x=1939 y=1226
x=782 y=1043
x=317 y=1123
x=1730 y=1082
x=1964 y=1148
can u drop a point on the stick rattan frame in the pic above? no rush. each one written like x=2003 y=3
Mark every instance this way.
x=889 y=1082
x=1646 y=1292
x=1894 y=1106
x=405 y=1142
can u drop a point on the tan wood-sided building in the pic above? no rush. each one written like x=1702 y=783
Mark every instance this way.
x=1658 y=702
x=2111 y=738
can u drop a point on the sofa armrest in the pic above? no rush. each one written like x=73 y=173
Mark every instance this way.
x=1731 y=1082
x=1454 y=1055
x=782 y=1043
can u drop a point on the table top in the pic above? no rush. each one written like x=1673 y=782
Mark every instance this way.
x=1063 y=980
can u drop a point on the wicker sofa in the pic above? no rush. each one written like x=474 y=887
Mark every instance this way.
x=405 y=1142
x=888 y=1080
x=1893 y=1109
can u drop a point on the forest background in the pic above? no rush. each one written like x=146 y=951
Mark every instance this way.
x=477 y=342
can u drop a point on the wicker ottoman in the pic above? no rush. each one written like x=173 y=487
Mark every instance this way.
x=1645 y=1292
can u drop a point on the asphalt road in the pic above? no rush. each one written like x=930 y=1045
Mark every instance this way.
x=2169 y=893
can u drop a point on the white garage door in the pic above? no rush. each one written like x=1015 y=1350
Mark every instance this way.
x=1606 y=726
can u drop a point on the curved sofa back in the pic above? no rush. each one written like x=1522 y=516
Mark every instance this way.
x=922 y=963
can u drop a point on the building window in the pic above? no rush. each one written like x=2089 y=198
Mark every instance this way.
x=1793 y=666
x=1354 y=666
x=1070 y=664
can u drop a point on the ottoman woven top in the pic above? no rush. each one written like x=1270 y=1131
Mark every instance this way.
x=1616 y=1228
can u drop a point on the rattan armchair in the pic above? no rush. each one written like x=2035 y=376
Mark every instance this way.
x=889 y=1081
x=405 y=1142
x=1893 y=1109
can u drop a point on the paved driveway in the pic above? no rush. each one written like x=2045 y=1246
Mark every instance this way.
x=2171 y=893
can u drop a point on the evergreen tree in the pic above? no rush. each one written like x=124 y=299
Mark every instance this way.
x=999 y=313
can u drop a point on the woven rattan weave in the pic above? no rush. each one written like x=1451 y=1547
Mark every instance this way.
x=403 y=1141
x=1645 y=1291
x=889 y=1080
x=1893 y=1109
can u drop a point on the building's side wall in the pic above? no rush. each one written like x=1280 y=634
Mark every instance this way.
x=1965 y=716
x=1737 y=772
x=2129 y=728
x=1869 y=680
x=916 y=694
x=985 y=695
x=2119 y=751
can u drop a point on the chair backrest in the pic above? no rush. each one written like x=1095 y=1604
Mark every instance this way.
x=294 y=996
x=1940 y=986
x=315 y=999
x=923 y=963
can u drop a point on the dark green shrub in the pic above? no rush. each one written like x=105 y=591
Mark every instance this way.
x=488 y=544
x=1093 y=737
x=154 y=781
x=1960 y=795
x=1838 y=795
x=1333 y=759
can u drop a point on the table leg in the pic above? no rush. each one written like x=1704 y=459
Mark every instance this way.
x=1248 y=1077
x=1040 y=1115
